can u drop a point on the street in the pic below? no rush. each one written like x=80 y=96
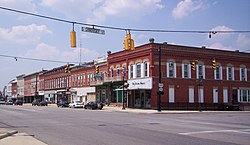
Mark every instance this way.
x=65 y=126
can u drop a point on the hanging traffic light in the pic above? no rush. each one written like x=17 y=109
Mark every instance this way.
x=128 y=42
x=97 y=69
x=193 y=65
x=73 y=39
x=67 y=69
x=214 y=64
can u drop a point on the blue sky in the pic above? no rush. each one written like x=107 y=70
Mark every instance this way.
x=33 y=37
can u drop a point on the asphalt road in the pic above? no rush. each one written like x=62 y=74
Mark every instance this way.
x=64 y=126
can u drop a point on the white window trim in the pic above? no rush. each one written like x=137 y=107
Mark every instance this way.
x=191 y=95
x=171 y=95
x=232 y=73
x=245 y=71
x=203 y=71
x=215 y=95
x=189 y=70
x=220 y=71
x=174 y=69
x=225 y=95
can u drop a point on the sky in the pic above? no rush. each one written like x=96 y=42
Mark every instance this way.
x=38 y=38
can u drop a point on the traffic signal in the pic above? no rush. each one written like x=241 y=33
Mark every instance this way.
x=214 y=64
x=193 y=65
x=129 y=43
x=73 y=39
x=97 y=69
x=67 y=69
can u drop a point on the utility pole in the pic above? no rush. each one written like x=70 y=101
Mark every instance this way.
x=159 y=92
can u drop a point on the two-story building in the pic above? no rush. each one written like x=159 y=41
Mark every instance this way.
x=183 y=88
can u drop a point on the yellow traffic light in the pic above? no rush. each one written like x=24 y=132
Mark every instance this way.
x=128 y=42
x=67 y=69
x=73 y=39
x=214 y=64
x=193 y=65
x=125 y=43
x=131 y=44
x=97 y=69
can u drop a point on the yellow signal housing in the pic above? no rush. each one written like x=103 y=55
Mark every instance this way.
x=125 y=43
x=129 y=43
x=193 y=65
x=73 y=39
x=132 y=44
x=214 y=64
x=97 y=69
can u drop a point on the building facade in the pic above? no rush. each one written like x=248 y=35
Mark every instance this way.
x=183 y=88
x=20 y=87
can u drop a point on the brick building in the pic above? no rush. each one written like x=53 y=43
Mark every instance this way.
x=183 y=88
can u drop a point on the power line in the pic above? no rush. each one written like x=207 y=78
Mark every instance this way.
x=35 y=59
x=124 y=29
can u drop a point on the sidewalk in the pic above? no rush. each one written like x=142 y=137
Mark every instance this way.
x=12 y=137
x=146 y=111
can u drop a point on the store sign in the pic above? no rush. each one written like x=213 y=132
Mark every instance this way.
x=140 y=84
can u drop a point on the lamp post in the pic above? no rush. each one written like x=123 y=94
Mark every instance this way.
x=123 y=82
x=123 y=103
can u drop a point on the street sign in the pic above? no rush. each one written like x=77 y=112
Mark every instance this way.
x=93 y=30
x=161 y=85
x=161 y=89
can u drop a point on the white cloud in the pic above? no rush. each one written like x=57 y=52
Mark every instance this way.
x=185 y=7
x=221 y=47
x=24 y=34
x=243 y=41
x=47 y=52
x=220 y=36
x=124 y=8
x=24 y=5
x=71 y=8
x=96 y=11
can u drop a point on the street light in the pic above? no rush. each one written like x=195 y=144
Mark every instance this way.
x=123 y=83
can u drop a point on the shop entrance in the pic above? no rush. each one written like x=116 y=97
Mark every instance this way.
x=142 y=98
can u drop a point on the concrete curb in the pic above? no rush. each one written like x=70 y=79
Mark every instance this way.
x=7 y=134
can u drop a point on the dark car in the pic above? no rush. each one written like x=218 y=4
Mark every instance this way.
x=62 y=104
x=93 y=105
x=35 y=103
x=18 y=102
x=43 y=103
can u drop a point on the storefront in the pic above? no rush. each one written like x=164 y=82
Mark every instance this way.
x=50 y=96
x=84 y=94
x=139 y=93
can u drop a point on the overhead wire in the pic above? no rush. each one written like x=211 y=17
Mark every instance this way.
x=108 y=27
x=125 y=29
x=35 y=59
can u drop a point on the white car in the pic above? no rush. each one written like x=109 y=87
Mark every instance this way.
x=76 y=104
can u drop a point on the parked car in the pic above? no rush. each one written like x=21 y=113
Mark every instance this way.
x=62 y=104
x=9 y=102
x=93 y=105
x=18 y=102
x=43 y=103
x=2 y=102
x=76 y=104
x=35 y=102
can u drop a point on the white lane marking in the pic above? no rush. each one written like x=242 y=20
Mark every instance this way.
x=245 y=131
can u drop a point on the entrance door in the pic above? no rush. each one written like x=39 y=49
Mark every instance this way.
x=234 y=96
x=142 y=98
